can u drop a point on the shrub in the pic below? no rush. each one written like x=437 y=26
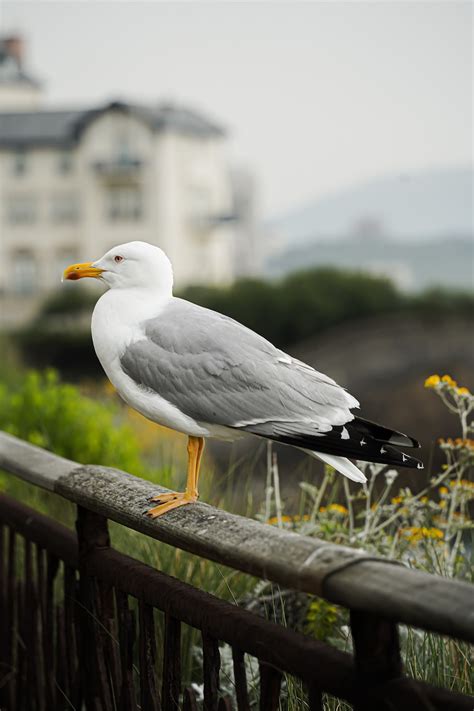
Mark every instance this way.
x=44 y=411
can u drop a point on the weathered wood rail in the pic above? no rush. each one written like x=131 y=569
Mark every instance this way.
x=88 y=634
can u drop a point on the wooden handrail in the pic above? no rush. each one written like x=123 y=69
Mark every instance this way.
x=350 y=577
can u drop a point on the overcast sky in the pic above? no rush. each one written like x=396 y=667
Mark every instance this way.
x=316 y=96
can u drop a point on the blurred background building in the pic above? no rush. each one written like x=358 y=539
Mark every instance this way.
x=76 y=182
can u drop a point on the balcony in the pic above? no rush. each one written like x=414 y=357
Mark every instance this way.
x=122 y=169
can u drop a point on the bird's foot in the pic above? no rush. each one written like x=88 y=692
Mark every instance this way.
x=170 y=496
x=170 y=501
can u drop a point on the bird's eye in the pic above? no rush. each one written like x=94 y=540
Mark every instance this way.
x=118 y=258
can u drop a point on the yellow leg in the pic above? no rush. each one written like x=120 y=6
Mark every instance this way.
x=170 y=501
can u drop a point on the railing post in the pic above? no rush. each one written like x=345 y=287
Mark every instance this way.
x=92 y=533
x=377 y=659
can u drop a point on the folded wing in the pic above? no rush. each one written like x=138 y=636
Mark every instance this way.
x=218 y=372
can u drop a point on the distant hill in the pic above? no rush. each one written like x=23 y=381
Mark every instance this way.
x=421 y=206
x=412 y=266
x=417 y=229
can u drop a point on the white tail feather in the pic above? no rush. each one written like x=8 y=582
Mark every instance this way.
x=342 y=465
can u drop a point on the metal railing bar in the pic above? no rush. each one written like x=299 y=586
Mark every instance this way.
x=343 y=575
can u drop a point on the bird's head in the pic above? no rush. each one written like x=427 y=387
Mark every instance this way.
x=130 y=265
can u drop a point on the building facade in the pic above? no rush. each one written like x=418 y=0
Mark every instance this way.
x=74 y=183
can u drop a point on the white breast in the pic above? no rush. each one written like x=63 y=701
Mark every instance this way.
x=116 y=325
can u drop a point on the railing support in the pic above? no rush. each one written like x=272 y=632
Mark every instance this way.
x=377 y=658
x=92 y=534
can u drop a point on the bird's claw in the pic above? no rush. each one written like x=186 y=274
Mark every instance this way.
x=173 y=501
x=164 y=497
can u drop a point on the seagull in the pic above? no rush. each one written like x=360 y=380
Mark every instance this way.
x=201 y=373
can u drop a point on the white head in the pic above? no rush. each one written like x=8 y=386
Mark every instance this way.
x=131 y=265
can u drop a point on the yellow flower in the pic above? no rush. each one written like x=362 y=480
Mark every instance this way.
x=424 y=499
x=449 y=381
x=457 y=443
x=274 y=519
x=338 y=509
x=463 y=483
x=397 y=499
x=322 y=509
x=432 y=381
x=463 y=391
x=433 y=533
x=415 y=534
x=443 y=490
x=288 y=519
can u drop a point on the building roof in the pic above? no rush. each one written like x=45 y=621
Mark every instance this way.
x=63 y=128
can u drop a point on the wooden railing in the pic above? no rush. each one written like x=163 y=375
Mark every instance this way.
x=76 y=648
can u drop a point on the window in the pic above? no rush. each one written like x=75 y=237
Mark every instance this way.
x=25 y=276
x=65 y=208
x=19 y=163
x=124 y=203
x=65 y=162
x=199 y=201
x=21 y=210
x=122 y=149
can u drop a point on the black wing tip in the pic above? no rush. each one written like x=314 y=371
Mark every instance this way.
x=384 y=434
x=389 y=455
x=409 y=463
x=364 y=450
x=402 y=440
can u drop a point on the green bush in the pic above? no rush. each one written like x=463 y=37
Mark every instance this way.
x=54 y=415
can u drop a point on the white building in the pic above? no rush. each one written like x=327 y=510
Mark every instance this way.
x=73 y=183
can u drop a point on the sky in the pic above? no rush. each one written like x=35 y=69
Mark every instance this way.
x=315 y=96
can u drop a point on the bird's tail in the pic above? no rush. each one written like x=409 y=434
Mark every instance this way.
x=341 y=464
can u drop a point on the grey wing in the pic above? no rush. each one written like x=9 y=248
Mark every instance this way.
x=217 y=371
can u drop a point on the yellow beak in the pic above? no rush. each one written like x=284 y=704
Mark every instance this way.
x=78 y=271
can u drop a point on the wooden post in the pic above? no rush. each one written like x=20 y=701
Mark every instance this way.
x=92 y=534
x=377 y=659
